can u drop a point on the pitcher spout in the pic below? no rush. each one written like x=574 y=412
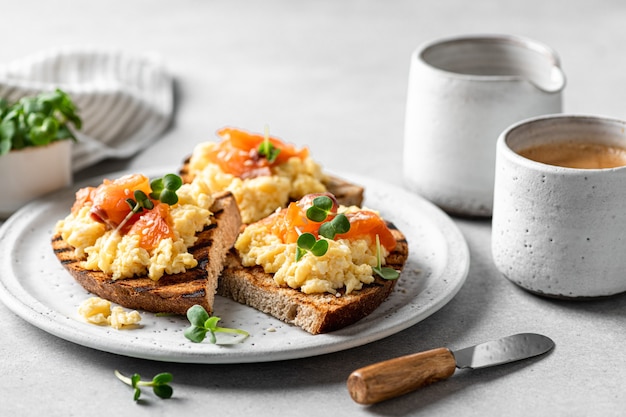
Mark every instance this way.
x=553 y=83
x=545 y=74
x=497 y=58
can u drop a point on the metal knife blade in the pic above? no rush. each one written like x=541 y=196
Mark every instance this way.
x=501 y=351
x=394 y=377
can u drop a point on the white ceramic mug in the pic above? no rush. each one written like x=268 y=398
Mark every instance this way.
x=463 y=92
x=560 y=231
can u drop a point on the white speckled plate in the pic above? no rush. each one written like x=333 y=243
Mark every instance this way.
x=35 y=286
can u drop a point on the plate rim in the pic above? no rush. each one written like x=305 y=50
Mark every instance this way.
x=45 y=318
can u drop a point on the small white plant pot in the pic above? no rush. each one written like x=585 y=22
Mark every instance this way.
x=32 y=172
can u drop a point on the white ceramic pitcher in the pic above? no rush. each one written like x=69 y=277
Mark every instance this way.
x=463 y=92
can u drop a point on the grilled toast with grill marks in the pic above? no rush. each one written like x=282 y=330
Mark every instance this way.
x=171 y=293
x=315 y=313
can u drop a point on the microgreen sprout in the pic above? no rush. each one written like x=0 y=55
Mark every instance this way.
x=137 y=205
x=320 y=209
x=319 y=212
x=160 y=384
x=382 y=271
x=267 y=149
x=164 y=189
x=338 y=225
x=202 y=324
x=307 y=243
x=140 y=202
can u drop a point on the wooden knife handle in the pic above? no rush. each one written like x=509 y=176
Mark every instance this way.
x=398 y=376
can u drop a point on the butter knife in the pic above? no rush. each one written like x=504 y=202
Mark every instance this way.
x=394 y=377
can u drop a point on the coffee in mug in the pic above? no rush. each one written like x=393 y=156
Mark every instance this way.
x=560 y=231
x=582 y=155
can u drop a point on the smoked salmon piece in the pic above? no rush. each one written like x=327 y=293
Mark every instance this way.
x=238 y=153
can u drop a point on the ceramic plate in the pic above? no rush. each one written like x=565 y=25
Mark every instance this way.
x=35 y=286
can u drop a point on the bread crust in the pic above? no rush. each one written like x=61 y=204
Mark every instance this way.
x=315 y=313
x=173 y=293
x=346 y=193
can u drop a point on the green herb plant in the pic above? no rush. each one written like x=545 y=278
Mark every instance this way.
x=203 y=324
x=267 y=149
x=37 y=121
x=160 y=384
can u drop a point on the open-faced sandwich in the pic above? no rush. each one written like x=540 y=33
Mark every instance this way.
x=315 y=264
x=287 y=239
x=263 y=172
x=152 y=245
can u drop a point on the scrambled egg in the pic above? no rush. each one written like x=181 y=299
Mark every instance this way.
x=346 y=263
x=121 y=256
x=258 y=197
x=98 y=311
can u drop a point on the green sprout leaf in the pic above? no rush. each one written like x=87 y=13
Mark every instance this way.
x=137 y=205
x=164 y=189
x=319 y=211
x=160 y=384
x=321 y=208
x=142 y=201
x=338 y=225
x=196 y=334
x=383 y=272
x=323 y=202
x=134 y=380
x=320 y=248
x=300 y=253
x=267 y=149
x=197 y=315
x=163 y=391
x=203 y=325
x=308 y=243
x=341 y=223
x=316 y=214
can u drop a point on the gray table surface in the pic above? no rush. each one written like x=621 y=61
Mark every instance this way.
x=331 y=75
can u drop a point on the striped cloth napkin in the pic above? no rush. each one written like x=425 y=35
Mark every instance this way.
x=125 y=101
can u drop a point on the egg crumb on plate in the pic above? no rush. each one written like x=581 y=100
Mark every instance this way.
x=96 y=310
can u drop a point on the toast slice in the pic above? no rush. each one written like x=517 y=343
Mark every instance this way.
x=171 y=293
x=347 y=193
x=315 y=313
